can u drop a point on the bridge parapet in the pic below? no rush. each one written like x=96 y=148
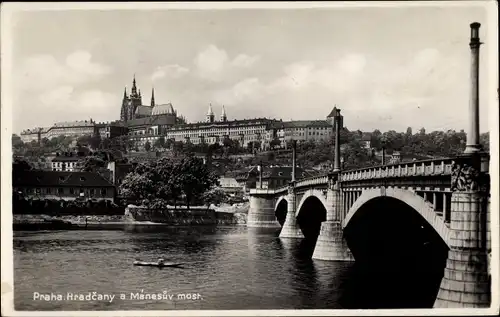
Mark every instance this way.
x=432 y=167
x=317 y=180
x=262 y=191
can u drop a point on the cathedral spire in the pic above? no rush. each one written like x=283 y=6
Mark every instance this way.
x=125 y=94
x=134 y=87
x=152 y=97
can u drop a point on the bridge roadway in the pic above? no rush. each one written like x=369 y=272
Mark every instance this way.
x=449 y=195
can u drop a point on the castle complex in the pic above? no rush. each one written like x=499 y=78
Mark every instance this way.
x=148 y=123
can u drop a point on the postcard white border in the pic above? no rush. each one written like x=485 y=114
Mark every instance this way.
x=7 y=9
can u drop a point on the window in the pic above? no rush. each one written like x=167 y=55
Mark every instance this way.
x=38 y=191
x=48 y=190
x=91 y=192
x=103 y=192
x=82 y=179
x=72 y=191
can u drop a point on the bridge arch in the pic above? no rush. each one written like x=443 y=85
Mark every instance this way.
x=311 y=193
x=278 y=201
x=411 y=199
x=311 y=212
x=281 y=209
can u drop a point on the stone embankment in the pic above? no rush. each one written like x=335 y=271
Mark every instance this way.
x=133 y=216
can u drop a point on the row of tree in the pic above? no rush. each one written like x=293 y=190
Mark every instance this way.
x=167 y=181
x=53 y=207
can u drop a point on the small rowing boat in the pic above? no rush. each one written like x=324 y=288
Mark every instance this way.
x=158 y=264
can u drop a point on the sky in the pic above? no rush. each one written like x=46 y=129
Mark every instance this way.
x=385 y=68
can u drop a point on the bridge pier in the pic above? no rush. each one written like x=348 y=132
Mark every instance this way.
x=261 y=212
x=290 y=227
x=466 y=281
x=331 y=245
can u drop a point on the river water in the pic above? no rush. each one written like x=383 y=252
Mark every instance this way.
x=225 y=268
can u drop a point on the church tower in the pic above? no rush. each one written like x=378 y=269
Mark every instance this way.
x=124 y=110
x=210 y=114
x=223 y=116
x=152 y=98
x=135 y=100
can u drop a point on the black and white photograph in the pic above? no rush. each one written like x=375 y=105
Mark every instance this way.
x=250 y=158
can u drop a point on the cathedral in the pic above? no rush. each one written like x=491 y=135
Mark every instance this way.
x=132 y=107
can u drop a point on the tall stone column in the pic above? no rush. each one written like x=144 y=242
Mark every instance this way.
x=473 y=133
x=290 y=227
x=331 y=245
x=466 y=281
x=261 y=212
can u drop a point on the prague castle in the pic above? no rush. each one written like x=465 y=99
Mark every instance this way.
x=147 y=123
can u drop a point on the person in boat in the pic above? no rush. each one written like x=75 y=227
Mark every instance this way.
x=161 y=261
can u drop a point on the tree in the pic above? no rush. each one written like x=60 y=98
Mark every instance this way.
x=160 y=143
x=147 y=146
x=169 y=143
x=215 y=196
x=95 y=141
x=484 y=139
x=92 y=164
x=155 y=183
x=17 y=143
x=274 y=143
x=19 y=165
x=194 y=177
x=137 y=187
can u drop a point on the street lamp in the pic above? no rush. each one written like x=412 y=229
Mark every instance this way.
x=342 y=161
x=260 y=174
x=337 y=125
x=383 y=150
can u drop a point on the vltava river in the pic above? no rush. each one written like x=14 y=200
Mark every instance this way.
x=229 y=267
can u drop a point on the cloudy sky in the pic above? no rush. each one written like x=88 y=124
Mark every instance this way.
x=386 y=68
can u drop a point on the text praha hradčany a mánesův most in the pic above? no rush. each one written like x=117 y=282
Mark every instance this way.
x=96 y=296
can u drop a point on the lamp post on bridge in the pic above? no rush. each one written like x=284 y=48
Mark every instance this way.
x=473 y=145
x=337 y=125
x=260 y=174
x=466 y=275
x=383 y=150
x=294 y=158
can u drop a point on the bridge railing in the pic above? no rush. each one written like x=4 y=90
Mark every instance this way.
x=311 y=181
x=263 y=191
x=432 y=167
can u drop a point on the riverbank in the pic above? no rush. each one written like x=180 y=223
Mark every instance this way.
x=30 y=222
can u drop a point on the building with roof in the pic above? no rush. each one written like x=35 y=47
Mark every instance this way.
x=30 y=135
x=62 y=185
x=70 y=128
x=300 y=130
x=65 y=162
x=366 y=140
x=111 y=129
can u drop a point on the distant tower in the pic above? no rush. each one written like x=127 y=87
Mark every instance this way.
x=152 y=97
x=124 y=110
x=223 y=116
x=210 y=114
x=135 y=100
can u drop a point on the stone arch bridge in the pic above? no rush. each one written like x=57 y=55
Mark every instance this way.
x=348 y=211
